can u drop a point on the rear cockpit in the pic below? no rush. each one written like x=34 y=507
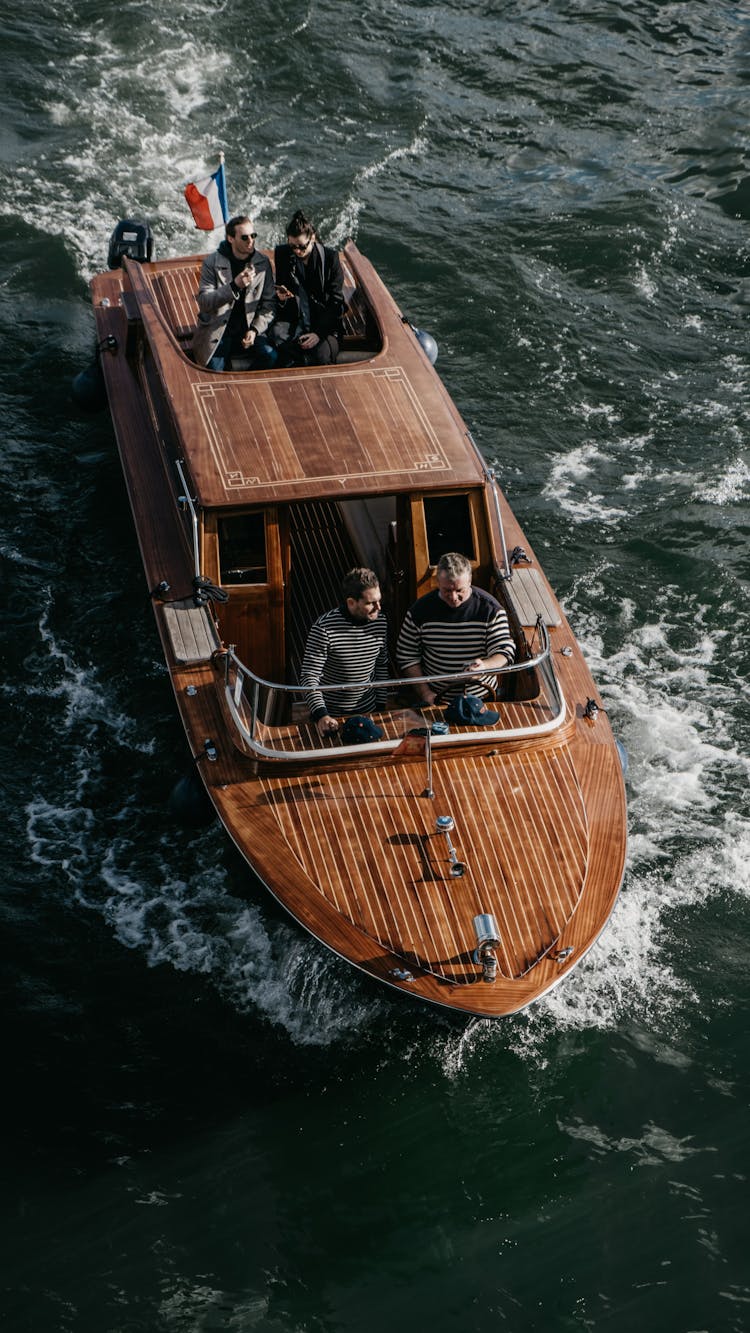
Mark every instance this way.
x=175 y=285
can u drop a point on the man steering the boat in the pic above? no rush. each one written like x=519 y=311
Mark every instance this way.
x=236 y=302
x=347 y=646
x=455 y=627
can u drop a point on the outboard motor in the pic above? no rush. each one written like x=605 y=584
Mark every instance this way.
x=133 y=239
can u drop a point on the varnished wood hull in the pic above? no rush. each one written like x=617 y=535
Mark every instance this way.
x=349 y=844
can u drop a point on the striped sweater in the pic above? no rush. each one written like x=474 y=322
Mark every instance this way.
x=340 y=649
x=442 y=639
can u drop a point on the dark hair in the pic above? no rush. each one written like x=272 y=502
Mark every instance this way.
x=356 y=581
x=300 y=225
x=234 y=223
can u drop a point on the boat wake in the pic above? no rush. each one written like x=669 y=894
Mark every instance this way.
x=689 y=847
x=99 y=103
x=198 y=925
x=346 y=224
x=193 y=922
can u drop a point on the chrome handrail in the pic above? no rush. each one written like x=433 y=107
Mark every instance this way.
x=507 y=571
x=509 y=669
x=489 y=477
x=234 y=692
x=186 y=499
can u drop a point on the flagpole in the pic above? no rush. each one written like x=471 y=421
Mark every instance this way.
x=225 y=204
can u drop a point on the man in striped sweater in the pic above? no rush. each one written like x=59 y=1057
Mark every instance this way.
x=347 y=645
x=456 y=627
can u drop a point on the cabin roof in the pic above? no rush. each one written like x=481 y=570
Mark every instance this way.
x=380 y=425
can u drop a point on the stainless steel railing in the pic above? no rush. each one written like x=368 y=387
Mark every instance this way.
x=251 y=699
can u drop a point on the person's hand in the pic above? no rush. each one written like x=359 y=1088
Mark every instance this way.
x=327 y=726
x=244 y=277
x=477 y=665
x=284 y=294
x=249 y=338
x=308 y=341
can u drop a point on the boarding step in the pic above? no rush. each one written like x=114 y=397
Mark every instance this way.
x=530 y=597
x=192 y=632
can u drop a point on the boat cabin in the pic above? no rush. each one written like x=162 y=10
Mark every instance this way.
x=282 y=564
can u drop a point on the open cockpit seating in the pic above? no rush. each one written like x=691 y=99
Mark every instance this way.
x=175 y=289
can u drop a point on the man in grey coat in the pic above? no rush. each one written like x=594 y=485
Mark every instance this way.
x=236 y=302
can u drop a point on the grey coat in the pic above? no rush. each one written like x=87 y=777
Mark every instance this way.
x=216 y=300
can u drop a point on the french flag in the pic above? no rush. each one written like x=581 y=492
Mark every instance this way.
x=207 y=200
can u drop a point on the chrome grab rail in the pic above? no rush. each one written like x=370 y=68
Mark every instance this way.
x=185 y=500
x=243 y=675
x=491 y=480
x=507 y=571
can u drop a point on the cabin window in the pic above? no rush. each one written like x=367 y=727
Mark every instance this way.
x=242 y=549
x=448 y=523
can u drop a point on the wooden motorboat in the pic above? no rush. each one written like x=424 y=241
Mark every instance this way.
x=472 y=870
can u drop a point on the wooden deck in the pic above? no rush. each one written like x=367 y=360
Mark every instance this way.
x=393 y=879
x=355 y=856
x=298 y=735
x=382 y=425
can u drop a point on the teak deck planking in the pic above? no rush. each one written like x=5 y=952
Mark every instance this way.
x=351 y=849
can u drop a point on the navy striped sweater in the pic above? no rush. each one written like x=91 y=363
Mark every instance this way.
x=443 y=639
x=340 y=649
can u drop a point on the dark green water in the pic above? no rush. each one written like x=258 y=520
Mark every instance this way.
x=208 y=1122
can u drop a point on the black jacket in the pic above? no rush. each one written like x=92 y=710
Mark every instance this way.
x=325 y=287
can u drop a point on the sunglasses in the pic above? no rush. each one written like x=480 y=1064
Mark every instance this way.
x=248 y=236
x=299 y=246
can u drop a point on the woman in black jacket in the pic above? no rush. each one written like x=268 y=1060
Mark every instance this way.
x=310 y=296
